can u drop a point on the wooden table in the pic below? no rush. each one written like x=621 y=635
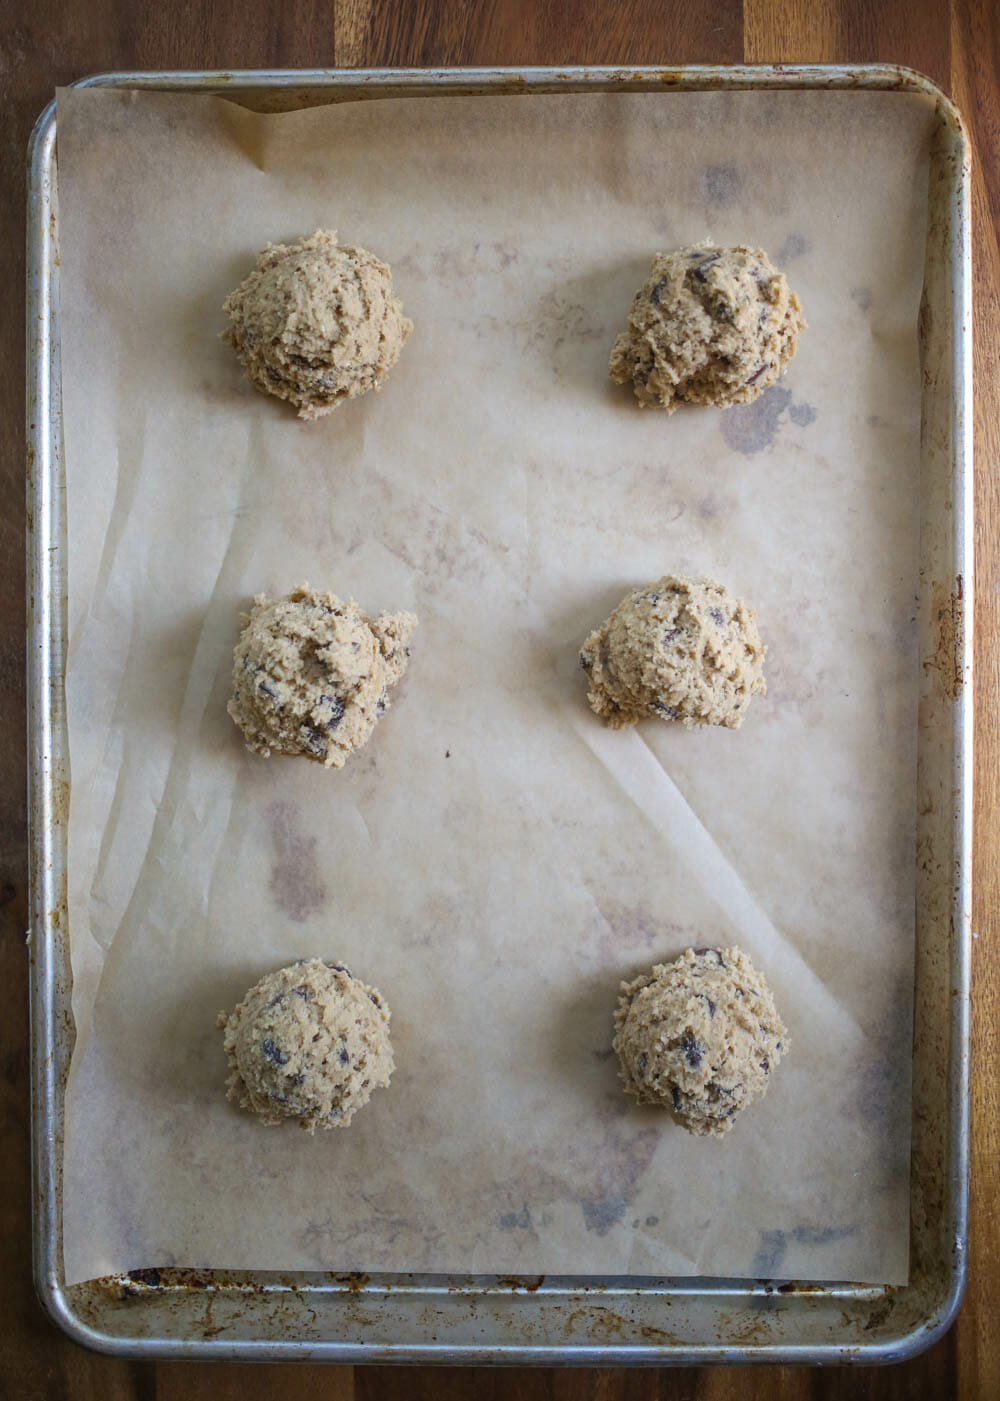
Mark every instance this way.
x=51 y=42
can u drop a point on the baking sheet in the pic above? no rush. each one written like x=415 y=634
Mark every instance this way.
x=495 y=861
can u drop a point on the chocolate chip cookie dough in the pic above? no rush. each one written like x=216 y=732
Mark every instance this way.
x=309 y=1042
x=681 y=649
x=708 y=326
x=316 y=322
x=699 y=1037
x=312 y=674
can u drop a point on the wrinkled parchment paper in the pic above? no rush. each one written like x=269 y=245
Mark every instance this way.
x=495 y=861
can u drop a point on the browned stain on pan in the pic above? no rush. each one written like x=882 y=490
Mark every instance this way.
x=521 y=1282
x=882 y=1310
x=947 y=614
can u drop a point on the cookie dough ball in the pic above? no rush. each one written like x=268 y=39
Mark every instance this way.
x=312 y=675
x=316 y=322
x=699 y=1037
x=683 y=649
x=308 y=1042
x=708 y=326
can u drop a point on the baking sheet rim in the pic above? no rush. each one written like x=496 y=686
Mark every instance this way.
x=48 y=787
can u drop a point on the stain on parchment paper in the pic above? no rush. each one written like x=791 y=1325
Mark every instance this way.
x=751 y=428
x=793 y=247
x=431 y=542
x=773 y=1247
x=599 y=1167
x=396 y=1218
x=639 y=932
x=460 y=265
x=566 y=334
x=516 y=1220
x=438 y=915
x=721 y=184
x=793 y=627
x=770 y=1254
x=620 y=1161
x=802 y=414
x=296 y=884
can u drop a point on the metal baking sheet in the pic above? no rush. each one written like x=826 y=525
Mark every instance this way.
x=351 y=1318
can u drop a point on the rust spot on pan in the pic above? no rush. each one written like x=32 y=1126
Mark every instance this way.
x=601 y=1324
x=947 y=613
x=515 y=1282
x=881 y=1311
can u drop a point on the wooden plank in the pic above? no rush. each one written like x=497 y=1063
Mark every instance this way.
x=431 y=32
x=796 y=31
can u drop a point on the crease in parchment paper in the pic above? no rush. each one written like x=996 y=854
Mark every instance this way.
x=494 y=861
x=657 y=797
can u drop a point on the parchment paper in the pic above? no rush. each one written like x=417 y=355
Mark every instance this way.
x=495 y=861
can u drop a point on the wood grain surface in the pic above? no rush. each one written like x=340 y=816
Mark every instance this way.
x=54 y=41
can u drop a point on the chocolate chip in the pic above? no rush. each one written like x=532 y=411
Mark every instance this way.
x=375 y=998
x=640 y=1069
x=661 y=709
x=273 y=1052
x=765 y=1066
x=314 y=741
x=670 y=634
x=676 y=1095
x=265 y=690
x=702 y=953
x=756 y=375
x=711 y=1006
x=693 y=1050
x=653 y=597
x=336 y=710
x=717 y=616
x=339 y=968
x=297 y=1080
x=704 y=261
x=586 y=661
x=383 y=703
x=657 y=293
x=342 y=1055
